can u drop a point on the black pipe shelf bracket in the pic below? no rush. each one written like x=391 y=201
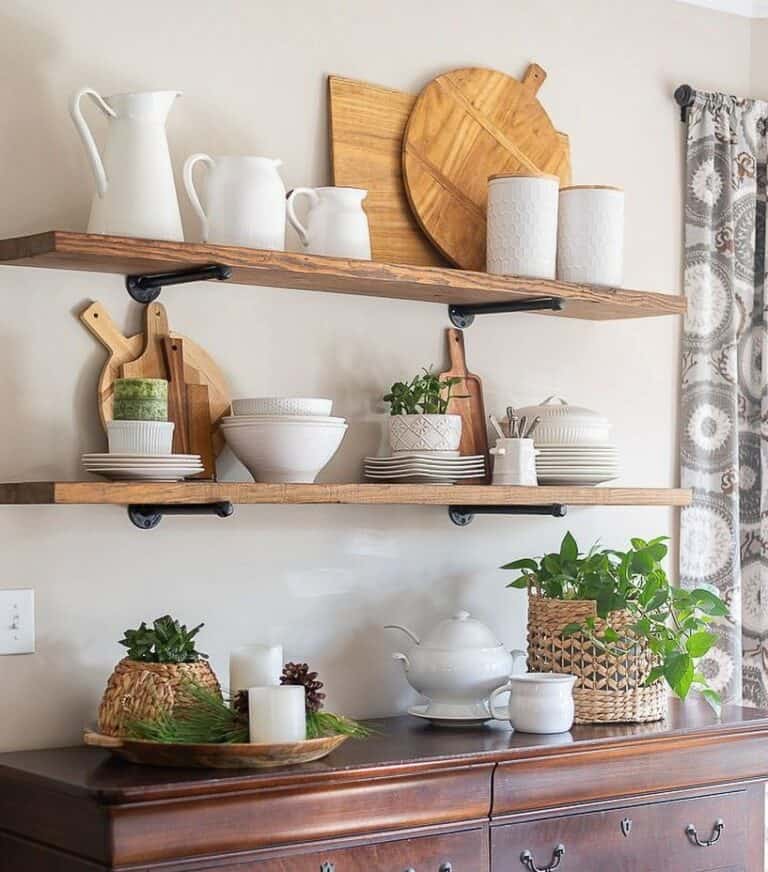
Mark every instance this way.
x=148 y=516
x=685 y=97
x=145 y=288
x=463 y=314
x=464 y=515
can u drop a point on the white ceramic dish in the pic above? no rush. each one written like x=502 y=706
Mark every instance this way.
x=575 y=479
x=132 y=458
x=420 y=711
x=140 y=437
x=422 y=458
x=301 y=406
x=431 y=454
x=285 y=451
x=564 y=424
x=243 y=420
x=539 y=702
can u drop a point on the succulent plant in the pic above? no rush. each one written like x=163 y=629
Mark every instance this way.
x=166 y=641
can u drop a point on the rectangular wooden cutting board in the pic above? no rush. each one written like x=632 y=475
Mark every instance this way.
x=366 y=132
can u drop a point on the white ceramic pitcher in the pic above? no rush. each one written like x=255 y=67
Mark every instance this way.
x=135 y=190
x=245 y=199
x=337 y=225
x=539 y=702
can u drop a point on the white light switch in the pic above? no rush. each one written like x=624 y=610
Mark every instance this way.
x=17 y=621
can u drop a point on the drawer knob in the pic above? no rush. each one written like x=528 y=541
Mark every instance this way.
x=526 y=858
x=327 y=867
x=693 y=836
x=626 y=827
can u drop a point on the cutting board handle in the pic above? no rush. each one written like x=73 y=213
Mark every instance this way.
x=456 y=351
x=534 y=78
x=100 y=323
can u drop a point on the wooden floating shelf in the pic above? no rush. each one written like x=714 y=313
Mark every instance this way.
x=249 y=493
x=59 y=249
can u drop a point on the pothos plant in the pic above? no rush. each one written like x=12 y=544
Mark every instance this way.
x=425 y=394
x=675 y=623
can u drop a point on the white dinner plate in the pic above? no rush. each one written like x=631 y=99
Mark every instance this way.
x=574 y=479
x=151 y=458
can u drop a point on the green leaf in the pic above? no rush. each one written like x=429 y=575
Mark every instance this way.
x=714 y=700
x=610 y=635
x=678 y=670
x=699 y=643
x=519 y=583
x=569 y=550
x=571 y=629
x=654 y=675
x=524 y=563
x=709 y=602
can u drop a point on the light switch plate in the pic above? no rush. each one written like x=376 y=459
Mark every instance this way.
x=17 y=621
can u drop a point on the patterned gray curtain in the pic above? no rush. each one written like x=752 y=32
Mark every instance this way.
x=724 y=418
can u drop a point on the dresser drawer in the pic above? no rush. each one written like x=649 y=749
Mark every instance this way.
x=453 y=852
x=639 y=838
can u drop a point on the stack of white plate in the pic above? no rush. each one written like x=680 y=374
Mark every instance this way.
x=438 y=467
x=143 y=467
x=572 y=444
x=576 y=464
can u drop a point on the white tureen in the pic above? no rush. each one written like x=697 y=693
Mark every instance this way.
x=456 y=666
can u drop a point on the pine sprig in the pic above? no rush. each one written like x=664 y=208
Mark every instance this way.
x=321 y=724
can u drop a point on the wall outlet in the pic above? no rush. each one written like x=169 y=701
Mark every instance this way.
x=17 y=621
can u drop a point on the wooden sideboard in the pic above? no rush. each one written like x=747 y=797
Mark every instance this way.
x=685 y=795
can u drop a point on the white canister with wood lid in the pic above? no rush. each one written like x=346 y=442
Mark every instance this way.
x=522 y=225
x=590 y=240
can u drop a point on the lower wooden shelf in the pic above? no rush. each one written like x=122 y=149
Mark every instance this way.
x=245 y=493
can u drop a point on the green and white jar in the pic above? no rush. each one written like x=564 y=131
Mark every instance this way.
x=140 y=399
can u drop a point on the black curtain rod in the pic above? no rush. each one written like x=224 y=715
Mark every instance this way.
x=684 y=95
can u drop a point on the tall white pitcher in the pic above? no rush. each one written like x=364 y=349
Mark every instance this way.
x=135 y=190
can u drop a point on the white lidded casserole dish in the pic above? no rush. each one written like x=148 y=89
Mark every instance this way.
x=564 y=424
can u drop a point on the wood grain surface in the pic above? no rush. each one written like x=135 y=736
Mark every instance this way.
x=257 y=493
x=468 y=403
x=58 y=249
x=199 y=366
x=152 y=362
x=467 y=125
x=366 y=125
x=173 y=354
x=200 y=430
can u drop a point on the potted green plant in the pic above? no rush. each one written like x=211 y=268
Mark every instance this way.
x=613 y=619
x=419 y=414
x=162 y=658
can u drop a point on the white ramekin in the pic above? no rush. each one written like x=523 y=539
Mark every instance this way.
x=140 y=437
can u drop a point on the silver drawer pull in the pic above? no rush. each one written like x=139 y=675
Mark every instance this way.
x=327 y=867
x=693 y=836
x=526 y=858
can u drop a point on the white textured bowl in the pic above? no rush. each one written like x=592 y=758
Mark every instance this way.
x=284 y=451
x=240 y=420
x=281 y=406
x=140 y=437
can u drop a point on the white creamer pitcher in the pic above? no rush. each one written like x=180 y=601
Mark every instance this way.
x=539 y=702
x=337 y=225
x=135 y=190
x=245 y=200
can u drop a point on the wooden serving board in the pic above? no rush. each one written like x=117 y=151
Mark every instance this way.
x=366 y=131
x=474 y=430
x=467 y=125
x=216 y=756
x=199 y=366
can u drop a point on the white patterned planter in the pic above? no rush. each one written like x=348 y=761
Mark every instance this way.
x=424 y=432
x=522 y=226
x=590 y=241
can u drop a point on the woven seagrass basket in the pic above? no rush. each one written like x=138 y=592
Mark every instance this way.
x=139 y=691
x=610 y=687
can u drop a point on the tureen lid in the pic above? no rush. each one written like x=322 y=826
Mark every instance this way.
x=460 y=632
x=556 y=410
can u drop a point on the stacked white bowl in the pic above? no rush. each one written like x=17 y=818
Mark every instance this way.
x=283 y=439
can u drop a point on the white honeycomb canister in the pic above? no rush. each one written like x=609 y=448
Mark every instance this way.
x=590 y=239
x=522 y=225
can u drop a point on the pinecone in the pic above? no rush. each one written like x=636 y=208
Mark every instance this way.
x=298 y=673
x=240 y=704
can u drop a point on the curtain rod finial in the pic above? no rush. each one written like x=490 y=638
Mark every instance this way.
x=684 y=95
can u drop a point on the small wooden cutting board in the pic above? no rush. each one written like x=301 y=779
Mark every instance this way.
x=474 y=430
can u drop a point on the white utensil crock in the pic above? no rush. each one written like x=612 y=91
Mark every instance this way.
x=539 y=702
x=514 y=462
x=135 y=190
x=337 y=225
x=245 y=200
x=590 y=243
x=522 y=225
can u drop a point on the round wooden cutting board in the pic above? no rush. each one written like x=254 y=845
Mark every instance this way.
x=467 y=125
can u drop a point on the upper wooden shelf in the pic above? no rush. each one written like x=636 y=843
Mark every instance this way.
x=244 y=493
x=59 y=249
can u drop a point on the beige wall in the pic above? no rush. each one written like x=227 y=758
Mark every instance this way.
x=323 y=580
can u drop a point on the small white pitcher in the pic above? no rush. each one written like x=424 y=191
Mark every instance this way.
x=337 y=225
x=245 y=200
x=514 y=462
x=539 y=702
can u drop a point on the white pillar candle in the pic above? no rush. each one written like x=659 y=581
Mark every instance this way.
x=277 y=714
x=255 y=666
